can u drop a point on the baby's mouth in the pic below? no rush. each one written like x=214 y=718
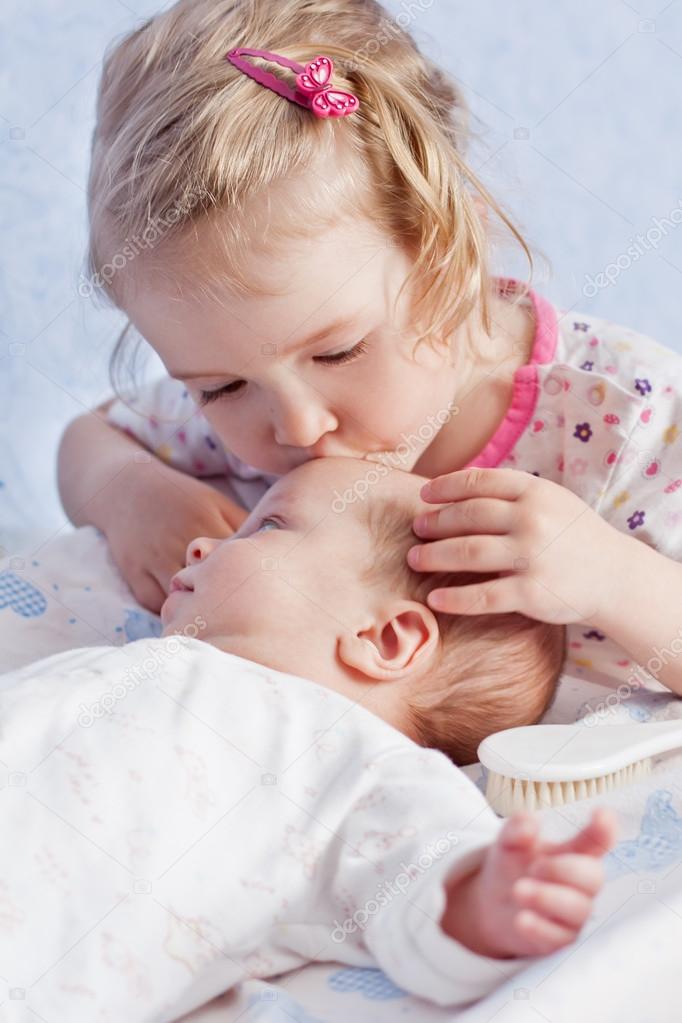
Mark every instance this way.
x=177 y=583
x=177 y=586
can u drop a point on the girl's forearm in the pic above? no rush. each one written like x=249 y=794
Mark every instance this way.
x=645 y=613
x=93 y=460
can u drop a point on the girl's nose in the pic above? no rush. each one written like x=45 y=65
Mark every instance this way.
x=199 y=549
x=300 y=420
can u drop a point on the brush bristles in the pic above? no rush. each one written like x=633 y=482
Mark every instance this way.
x=511 y=795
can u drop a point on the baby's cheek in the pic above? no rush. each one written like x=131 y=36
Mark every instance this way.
x=230 y=572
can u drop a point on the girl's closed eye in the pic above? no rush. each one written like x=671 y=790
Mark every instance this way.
x=340 y=357
x=335 y=359
x=206 y=397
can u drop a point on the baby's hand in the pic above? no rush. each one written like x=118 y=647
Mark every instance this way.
x=530 y=897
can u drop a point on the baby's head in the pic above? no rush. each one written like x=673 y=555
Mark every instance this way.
x=316 y=583
x=286 y=268
x=492 y=671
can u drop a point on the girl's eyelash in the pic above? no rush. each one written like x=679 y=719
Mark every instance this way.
x=337 y=360
x=206 y=397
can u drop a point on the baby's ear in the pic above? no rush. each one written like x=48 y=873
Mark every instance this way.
x=401 y=639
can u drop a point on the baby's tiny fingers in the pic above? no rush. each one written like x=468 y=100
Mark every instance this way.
x=519 y=831
x=563 y=905
x=543 y=936
x=583 y=872
x=596 y=838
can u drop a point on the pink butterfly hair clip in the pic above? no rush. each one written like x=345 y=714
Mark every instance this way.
x=314 y=89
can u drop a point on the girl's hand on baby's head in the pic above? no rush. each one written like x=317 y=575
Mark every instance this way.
x=527 y=529
x=530 y=897
x=159 y=512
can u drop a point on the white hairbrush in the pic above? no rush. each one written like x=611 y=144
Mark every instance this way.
x=539 y=766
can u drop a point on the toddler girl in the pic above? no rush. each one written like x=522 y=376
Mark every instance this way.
x=280 y=203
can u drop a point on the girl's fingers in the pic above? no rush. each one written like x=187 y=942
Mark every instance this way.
x=462 y=554
x=543 y=936
x=495 y=597
x=583 y=872
x=595 y=839
x=562 y=904
x=479 y=515
x=507 y=484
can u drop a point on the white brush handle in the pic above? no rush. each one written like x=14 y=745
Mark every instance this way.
x=575 y=752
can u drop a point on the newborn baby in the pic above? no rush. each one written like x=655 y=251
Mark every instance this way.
x=311 y=563
x=187 y=813
x=318 y=584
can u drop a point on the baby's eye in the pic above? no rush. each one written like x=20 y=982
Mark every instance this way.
x=267 y=521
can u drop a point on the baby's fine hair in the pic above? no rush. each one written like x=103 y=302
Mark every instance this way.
x=183 y=138
x=494 y=671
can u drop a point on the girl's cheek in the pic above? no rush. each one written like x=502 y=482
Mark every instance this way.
x=221 y=421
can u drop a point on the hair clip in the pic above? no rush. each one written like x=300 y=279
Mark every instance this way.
x=314 y=89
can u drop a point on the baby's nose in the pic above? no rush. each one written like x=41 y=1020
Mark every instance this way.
x=198 y=550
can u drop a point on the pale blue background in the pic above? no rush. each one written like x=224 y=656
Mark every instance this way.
x=578 y=106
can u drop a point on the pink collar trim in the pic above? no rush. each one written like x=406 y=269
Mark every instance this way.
x=526 y=386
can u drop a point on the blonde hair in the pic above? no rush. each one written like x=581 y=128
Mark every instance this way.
x=495 y=671
x=183 y=138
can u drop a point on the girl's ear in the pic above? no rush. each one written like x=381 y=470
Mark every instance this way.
x=401 y=639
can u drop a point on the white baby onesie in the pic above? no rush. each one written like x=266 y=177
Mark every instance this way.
x=177 y=819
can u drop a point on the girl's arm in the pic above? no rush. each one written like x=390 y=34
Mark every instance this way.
x=148 y=510
x=646 y=617
x=92 y=455
x=97 y=462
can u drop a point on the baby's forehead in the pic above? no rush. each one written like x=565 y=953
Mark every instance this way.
x=349 y=482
